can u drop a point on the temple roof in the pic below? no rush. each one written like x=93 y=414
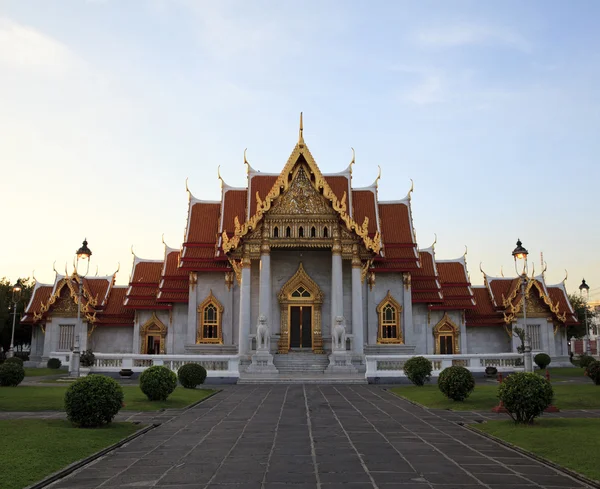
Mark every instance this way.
x=143 y=285
x=174 y=281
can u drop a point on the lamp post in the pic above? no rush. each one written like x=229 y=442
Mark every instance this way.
x=83 y=253
x=520 y=253
x=585 y=287
x=16 y=295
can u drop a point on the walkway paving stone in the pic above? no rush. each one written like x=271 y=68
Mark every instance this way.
x=314 y=436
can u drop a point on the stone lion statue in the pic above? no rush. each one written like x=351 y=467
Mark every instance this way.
x=338 y=334
x=263 y=340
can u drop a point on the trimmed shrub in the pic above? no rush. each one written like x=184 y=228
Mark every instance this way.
x=585 y=360
x=525 y=396
x=593 y=372
x=54 y=363
x=456 y=383
x=191 y=374
x=15 y=360
x=158 y=383
x=418 y=370
x=93 y=401
x=11 y=374
x=542 y=360
x=87 y=358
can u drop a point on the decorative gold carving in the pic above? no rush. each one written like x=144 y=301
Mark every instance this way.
x=153 y=327
x=356 y=261
x=216 y=321
x=389 y=312
x=282 y=184
x=371 y=279
x=313 y=299
x=364 y=270
x=533 y=304
x=193 y=280
x=300 y=199
x=406 y=278
x=237 y=268
x=229 y=280
x=446 y=327
x=60 y=293
x=246 y=262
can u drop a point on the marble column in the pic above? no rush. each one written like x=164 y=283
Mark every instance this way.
x=358 y=327
x=337 y=291
x=551 y=341
x=244 y=329
x=264 y=295
x=192 y=317
x=407 y=316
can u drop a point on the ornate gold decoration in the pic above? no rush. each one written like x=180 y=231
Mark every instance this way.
x=389 y=313
x=364 y=270
x=153 y=327
x=229 y=278
x=534 y=308
x=406 y=279
x=193 y=280
x=446 y=327
x=237 y=269
x=281 y=186
x=246 y=262
x=356 y=262
x=371 y=280
x=314 y=298
x=72 y=284
x=210 y=314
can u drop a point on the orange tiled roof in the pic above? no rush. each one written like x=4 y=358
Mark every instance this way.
x=41 y=295
x=502 y=288
x=399 y=247
x=98 y=288
x=174 y=280
x=484 y=313
x=339 y=185
x=557 y=294
x=425 y=281
x=115 y=313
x=234 y=204
x=204 y=223
x=455 y=285
x=261 y=184
x=143 y=287
x=363 y=203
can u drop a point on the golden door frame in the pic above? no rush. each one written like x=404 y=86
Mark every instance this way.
x=287 y=300
x=153 y=327
x=446 y=327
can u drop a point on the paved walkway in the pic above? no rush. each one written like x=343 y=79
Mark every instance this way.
x=313 y=436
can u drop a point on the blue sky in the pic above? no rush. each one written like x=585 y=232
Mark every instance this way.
x=491 y=108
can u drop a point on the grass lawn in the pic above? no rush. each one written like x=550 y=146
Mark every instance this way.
x=38 y=372
x=555 y=440
x=32 y=449
x=50 y=398
x=483 y=398
x=562 y=372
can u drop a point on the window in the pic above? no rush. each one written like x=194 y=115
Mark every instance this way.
x=301 y=232
x=66 y=336
x=313 y=232
x=276 y=232
x=152 y=336
x=534 y=333
x=300 y=292
x=390 y=330
x=209 y=327
x=288 y=232
x=325 y=233
x=446 y=337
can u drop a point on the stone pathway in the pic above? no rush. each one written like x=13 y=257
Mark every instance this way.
x=309 y=437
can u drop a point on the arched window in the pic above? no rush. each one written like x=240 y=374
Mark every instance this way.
x=210 y=314
x=288 y=232
x=313 y=232
x=390 y=328
x=447 y=336
x=276 y=232
x=301 y=232
x=325 y=233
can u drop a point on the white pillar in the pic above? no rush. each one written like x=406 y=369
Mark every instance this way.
x=598 y=345
x=83 y=339
x=264 y=294
x=192 y=316
x=358 y=327
x=245 y=311
x=409 y=330
x=337 y=291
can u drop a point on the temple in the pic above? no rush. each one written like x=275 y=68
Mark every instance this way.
x=299 y=265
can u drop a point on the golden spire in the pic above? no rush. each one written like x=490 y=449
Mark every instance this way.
x=301 y=135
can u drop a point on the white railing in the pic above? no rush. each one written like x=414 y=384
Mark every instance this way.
x=393 y=365
x=215 y=365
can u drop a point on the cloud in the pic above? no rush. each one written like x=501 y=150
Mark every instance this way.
x=429 y=91
x=24 y=47
x=470 y=34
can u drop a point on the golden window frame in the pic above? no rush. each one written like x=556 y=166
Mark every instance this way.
x=446 y=327
x=210 y=301
x=385 y=305
x=151 y=328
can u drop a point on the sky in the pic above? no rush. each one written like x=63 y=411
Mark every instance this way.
x=491 y=108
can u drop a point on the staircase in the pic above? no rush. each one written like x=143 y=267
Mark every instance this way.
x=301 y=368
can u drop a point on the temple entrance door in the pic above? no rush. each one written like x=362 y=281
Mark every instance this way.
x=300 y=327
x=153 y=346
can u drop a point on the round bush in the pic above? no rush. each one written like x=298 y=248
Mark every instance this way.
x=593 y=372
x=15 y=360
x=456 y=383
x=585 y=360
x=158 y=382
x=542 y=360
x=525 y=396
x=87 y=358
x=11 y=374
x=93 y=401
x=418 y=370
x=54 y=363
x=191 y=374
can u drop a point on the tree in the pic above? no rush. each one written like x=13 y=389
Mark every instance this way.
x=580 y=306
x=22 y=332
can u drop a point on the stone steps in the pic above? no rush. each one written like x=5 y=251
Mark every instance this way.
x=302 y=378
x=298 y=362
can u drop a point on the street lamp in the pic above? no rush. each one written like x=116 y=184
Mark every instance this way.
x=16 y=295
x=585 y=287
x=520 y=253
x=84 y=254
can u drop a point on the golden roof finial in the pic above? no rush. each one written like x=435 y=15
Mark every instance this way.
x=219 y=176
x=378 y=176
x=466 y=250
x=96 y=270
x=566 y=276
x=353 y=160
x=501 y=271
x=434 y=241
x=118 y=268
x=187 y=189
x=132 y=252
x=301 y=135
x=412 y=188
x=163 y=239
